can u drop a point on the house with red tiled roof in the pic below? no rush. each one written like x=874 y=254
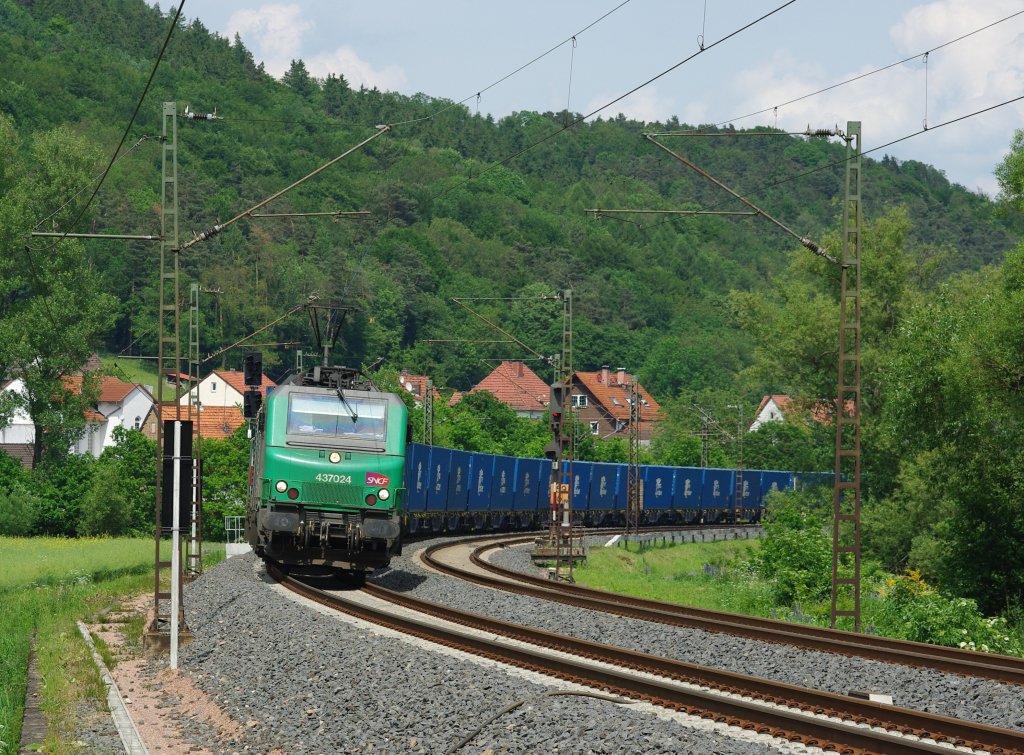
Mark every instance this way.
x=772 y=409
x=223 y=388
x=119 y=404
x=417 y=386
x=517 y=386
x=207 y=421
x=783 y=408
x=602 y=400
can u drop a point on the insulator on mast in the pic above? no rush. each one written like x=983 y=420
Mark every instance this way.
x=202 y=116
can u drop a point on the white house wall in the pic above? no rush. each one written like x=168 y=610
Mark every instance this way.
x=223 y=395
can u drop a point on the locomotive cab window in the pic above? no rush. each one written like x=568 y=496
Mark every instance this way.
x=327 y=415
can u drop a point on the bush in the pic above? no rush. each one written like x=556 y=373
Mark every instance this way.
x=910 y=609
x=18 y=508
x=107 y=508
x=796 y=553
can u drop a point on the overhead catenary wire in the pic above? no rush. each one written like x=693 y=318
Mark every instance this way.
x=507 y=76
x=621 y=97
x=217 y=228
x=853 y=79
x=837 y=163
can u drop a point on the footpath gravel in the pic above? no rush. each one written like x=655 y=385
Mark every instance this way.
x=300 y=681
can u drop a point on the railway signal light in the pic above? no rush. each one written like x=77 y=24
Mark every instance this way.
x=252 y=369
x=555 y=407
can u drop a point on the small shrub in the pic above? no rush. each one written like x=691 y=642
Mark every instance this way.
x=910 y=609
x=17 y=511
x=795 y=556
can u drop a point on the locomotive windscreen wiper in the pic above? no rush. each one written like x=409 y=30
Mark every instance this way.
x=344 y=402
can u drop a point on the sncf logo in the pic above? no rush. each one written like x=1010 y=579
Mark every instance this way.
x=373 y=478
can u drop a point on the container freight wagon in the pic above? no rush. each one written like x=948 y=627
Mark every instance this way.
x=452 y=491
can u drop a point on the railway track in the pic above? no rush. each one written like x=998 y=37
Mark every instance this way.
x=815 y=718
x=1000 y=668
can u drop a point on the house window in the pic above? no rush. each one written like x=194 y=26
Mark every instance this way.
x=138 y=423
x=594 y=428
x=579 y=402
x=213 y=386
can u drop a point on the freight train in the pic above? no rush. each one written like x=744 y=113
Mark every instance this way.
x=326 y=474
x=457 y=491
x=335 y=481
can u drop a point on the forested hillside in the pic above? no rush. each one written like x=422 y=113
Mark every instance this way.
x=446 y=220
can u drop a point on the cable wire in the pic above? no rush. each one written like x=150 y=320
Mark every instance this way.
x=127 y=129
x=507 y=76
x=607 y=105
x=870 y=73
x=837 y=163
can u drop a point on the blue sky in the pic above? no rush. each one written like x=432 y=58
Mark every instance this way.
x=455 y=48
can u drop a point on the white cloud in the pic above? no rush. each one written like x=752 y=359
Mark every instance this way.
x=273 y=33
x=645 y=105
x=346 y=61
x=978 y=72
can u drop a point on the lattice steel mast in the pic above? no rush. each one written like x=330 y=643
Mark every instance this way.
x=846 y=531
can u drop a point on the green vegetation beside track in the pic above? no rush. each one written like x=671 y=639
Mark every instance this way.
x=46 y=585
x=787 y=575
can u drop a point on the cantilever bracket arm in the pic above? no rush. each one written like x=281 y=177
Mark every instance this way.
x=804 y=240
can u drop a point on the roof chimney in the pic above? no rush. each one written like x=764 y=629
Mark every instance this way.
x=604 y=374
x=519 y=369
x=622 y=376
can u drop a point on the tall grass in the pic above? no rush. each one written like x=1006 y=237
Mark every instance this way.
x=47 y=584
x=709 y=575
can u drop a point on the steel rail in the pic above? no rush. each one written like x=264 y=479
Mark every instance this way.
x=813 y=726
x=1001 y=668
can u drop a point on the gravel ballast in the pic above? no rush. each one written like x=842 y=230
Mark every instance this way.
x=300 y=680
x=979 y=700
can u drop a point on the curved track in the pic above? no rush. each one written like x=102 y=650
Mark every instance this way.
x=952 y=660
x=812 y=717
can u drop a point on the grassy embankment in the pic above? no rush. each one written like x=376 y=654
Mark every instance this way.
x=709 y=575
x=45 y=585
x=720 y=576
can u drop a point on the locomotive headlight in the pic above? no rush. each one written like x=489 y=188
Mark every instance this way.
x=281 y=486
x=383 y=494
x=335 y=457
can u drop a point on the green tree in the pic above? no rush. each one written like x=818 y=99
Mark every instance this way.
x=107 y=508
x=61 y=489
x=297 y=77
x=225 y=480
x=1010 y=172
x=53 y=313
x=133 y=461
x=18 y=507
x=796 y=553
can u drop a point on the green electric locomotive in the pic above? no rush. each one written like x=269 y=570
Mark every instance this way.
x=326 y=486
